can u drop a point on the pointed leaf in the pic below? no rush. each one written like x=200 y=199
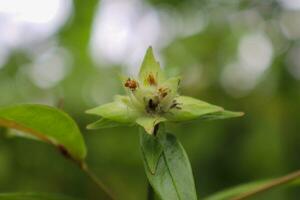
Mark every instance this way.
x=117 y=111
x=235 y=191
x=232 y=192
x=151 y=149
x=150 y=67
x=47 y=124
x=33 y=196
x=148 y=123
x=173 y=178
x=190 y=108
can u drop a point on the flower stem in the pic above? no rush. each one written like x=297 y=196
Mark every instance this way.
x=150 y=194
x=156 y=127
x=276 y=182
x=84 y=167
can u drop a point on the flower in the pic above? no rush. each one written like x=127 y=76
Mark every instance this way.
x=152 y=99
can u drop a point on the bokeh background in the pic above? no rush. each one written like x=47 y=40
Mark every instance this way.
x=242 y=55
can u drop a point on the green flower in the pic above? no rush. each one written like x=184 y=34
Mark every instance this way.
x=152 y=99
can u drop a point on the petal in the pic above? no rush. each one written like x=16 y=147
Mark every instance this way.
x=224 y=114
x=172 y=85
x=148 y=123
x=189 y=108
x=117 y=111
x=150 y=67
x=104 y=123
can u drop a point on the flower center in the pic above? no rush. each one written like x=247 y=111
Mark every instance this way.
x=153 y=99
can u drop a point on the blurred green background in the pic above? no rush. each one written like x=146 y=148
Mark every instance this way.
x=242 y=55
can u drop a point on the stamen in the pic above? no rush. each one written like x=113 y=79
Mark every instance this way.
x=151 y=80
x=131 y=84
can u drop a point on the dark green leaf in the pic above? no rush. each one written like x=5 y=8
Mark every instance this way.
x=47 y=124
x=33 y=196
x=151 y=150
x=173 y=178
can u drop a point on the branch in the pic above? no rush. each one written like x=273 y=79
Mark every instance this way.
x=84 y=167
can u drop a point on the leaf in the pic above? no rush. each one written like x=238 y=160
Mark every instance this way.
x=189 y=108
x=232 y=192
x=33 y=196
x=151 y=150
x=228 y=194
x=47 y=124
x=173 y=178
x=150 y=67
x=117 y=111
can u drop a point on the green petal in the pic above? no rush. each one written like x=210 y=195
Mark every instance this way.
x=172 y=84
x=104 y=123
x=222 y=115
x=148 y=123
x=117 y=111
x=150 y=67
x=190 y=108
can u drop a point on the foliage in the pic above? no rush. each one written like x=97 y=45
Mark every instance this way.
x=223 y=153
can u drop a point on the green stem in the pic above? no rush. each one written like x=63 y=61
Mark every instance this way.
x=150 y=194
x=84 y=167
x=276 y=182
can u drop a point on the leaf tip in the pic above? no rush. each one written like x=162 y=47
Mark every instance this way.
x=88 y=111
x=89 y=127
x=240 y=114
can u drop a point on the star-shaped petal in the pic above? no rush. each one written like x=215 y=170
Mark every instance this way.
x=152 y=99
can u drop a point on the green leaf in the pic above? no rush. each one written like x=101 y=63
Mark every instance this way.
x=117 y=111
x=230 y=193
x=173 y=178
x=151 y=150
x=150 y=67
x=148 y=123
x=47 y=124
x=33 y=196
